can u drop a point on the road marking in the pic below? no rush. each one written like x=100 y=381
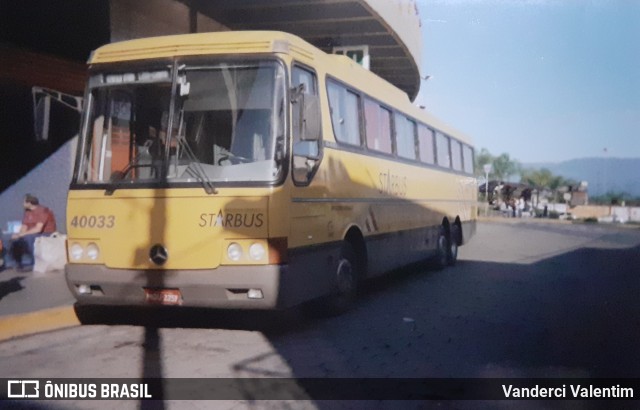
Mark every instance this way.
x=37 y=322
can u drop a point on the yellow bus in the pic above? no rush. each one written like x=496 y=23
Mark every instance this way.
x=251 y=170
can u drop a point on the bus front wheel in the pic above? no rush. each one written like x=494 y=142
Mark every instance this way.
x=345 y=279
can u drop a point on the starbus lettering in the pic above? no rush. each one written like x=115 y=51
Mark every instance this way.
x=391 y=184
x=231 y=220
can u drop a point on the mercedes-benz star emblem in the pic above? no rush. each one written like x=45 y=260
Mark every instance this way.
x=158 y=254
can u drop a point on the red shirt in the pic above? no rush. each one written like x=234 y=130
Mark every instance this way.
x=40 y=214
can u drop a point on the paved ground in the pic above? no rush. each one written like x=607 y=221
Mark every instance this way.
x=526 y=300
x=32 y=302
x=23 y=292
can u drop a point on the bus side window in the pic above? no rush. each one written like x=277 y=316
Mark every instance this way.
x=425 y=144
x=377 y=127
x=442 y=150
x=405 y=137
x=306 y=154
x=345 y=114
x=467 y=159
x=456 y=155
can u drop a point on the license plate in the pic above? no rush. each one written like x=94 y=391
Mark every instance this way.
x=163 y=296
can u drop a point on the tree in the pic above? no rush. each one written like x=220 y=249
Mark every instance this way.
x=555 y=183
x=538 y=178
x=543 y=179
x=482 y=158
x=504 y=167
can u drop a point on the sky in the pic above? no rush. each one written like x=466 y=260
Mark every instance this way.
x=542 y=80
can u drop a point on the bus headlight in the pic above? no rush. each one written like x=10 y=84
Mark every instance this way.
x=75 y=252
x=93 y=252
x=234 y=251
x=256 y=251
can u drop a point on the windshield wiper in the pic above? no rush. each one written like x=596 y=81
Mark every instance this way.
x=197 y=170
x=118 y=176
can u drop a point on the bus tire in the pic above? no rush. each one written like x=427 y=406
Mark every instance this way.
x=452 y=250
x=346 y=285
x=441 y=259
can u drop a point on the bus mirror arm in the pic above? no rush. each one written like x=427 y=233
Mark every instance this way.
x=296 y=93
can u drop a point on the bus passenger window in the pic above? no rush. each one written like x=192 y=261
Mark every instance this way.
x=442 y=150
x=345 y=114
x=456 y=155
x=425 y=144
x=378 y=127
x=405 y=137
x=467 y=159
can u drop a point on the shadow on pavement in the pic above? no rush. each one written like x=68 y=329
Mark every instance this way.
x=188 y=317
x=571 y=315
x=11 y=285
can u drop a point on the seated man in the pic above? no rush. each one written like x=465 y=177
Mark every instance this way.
x=37 y=221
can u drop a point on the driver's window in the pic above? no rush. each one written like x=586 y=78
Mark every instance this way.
x=306 y=154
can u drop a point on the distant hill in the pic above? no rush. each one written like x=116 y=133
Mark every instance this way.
x=602 y=174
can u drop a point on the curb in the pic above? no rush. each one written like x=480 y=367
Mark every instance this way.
x=501 y=219
x=37 y=322
x=547 y=221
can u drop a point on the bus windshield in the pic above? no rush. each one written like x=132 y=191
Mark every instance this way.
x=216 y=123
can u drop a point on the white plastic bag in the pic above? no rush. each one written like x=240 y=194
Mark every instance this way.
x=50 y=253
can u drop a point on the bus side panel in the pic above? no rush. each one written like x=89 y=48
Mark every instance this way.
x=393 y=250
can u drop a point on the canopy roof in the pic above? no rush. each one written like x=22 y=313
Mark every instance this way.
x=390 y=29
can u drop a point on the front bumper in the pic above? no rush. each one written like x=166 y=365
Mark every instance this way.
x=225 y=287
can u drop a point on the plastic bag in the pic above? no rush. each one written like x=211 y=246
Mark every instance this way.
x=50 y=253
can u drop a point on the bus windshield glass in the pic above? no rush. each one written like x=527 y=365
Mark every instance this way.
x=217 y=123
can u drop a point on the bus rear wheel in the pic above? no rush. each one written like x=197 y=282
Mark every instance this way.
x=441 y=259
x=452 y=254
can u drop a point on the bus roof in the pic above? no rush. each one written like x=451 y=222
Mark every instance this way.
x=224 y=42
x=264 y=42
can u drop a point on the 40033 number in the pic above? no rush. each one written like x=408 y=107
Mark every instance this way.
x=94 y=221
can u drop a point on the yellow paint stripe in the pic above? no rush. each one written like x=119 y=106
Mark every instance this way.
x=36 y=322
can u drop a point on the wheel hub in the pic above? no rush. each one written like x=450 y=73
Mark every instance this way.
x=345 y=276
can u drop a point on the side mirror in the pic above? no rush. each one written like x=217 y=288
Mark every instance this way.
x=310 y=120
x=306 y=133
x=307 y=149
x=306 y=115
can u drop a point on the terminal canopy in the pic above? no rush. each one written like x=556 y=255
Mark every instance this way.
x=389 y=29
